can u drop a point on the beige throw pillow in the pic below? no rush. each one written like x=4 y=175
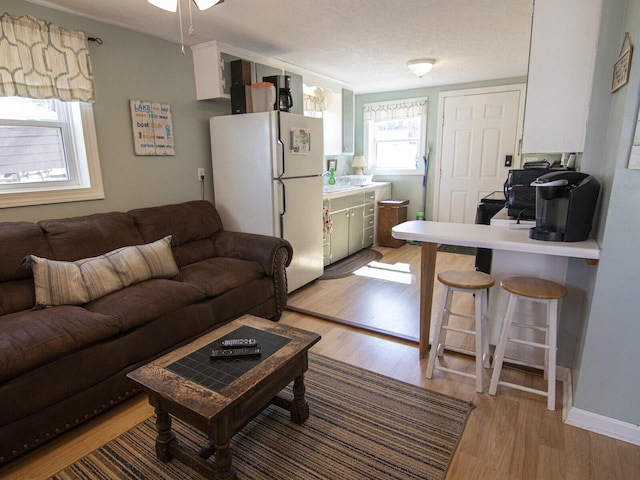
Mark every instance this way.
x=79 y=282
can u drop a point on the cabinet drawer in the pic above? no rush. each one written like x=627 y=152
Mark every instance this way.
x=369 y=221
x=369 y=209
x=370 y=197
x=368 y=237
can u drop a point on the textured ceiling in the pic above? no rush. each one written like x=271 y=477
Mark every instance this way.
x=363 y=43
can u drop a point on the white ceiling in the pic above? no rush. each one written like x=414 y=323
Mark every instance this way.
x=363 y=43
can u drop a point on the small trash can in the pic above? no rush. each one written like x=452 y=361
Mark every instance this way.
x=390 y=214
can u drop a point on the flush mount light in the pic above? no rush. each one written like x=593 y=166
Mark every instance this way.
x=420 y=66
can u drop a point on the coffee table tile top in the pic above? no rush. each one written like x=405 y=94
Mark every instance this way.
x=217 y=374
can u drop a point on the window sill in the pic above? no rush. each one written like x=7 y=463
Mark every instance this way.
x=24 y=199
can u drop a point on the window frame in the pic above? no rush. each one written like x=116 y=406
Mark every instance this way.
x=86 y=166
x=369 y=143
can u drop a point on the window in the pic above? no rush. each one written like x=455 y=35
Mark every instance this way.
x=395 y=136
x=48 y=152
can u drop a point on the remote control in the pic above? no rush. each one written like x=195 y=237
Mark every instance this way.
x=234 y=352
x=239 y=342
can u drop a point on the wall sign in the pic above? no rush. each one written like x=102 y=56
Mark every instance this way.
x=152 y=128
x=622 y=66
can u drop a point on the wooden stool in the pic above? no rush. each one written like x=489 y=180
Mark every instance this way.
x=534 y=290
x=474 y=283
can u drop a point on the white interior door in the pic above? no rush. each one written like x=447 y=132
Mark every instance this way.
x=478 y=131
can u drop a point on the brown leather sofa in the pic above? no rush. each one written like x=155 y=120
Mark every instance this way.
x=64 y=364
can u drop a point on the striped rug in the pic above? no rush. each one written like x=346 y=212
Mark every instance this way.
x=361 y=426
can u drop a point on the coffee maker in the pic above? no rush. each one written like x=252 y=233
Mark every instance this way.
x=565 y=205
x=284 y=100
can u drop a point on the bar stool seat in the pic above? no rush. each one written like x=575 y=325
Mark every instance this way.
x=470 y=282
x=534 y=290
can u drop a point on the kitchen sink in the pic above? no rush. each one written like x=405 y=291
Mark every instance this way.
x=338 y=188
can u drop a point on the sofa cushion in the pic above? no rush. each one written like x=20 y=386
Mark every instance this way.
x=146 y=301
x=17 y=240
x=186 y=221
x=76 y=283
x=16 y=295
x=28 y=339
x=219 y=274
x=83 y=237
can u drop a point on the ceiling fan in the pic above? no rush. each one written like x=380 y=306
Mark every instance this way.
x=173 y=5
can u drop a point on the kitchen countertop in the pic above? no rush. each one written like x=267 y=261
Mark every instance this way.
x=510 y=238
x=503 y=239
x=502 y=219
x=351 y=189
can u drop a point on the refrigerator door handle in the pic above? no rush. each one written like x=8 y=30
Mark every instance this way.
x=281 y=145
x=283 y=205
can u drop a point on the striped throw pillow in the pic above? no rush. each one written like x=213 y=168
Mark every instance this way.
x=79 y=282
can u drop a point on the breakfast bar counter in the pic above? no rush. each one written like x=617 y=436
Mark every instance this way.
x=514 y=253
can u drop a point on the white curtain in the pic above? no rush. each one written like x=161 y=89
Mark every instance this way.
x=313 y=103
x=395 y=109
x=41 y=60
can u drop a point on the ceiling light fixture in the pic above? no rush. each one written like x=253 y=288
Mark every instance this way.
x=173 y=5
x=421 y=66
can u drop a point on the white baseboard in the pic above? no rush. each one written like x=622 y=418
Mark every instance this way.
x=593 y=422
x=610 y=427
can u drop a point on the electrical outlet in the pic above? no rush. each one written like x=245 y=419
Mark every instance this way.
x=200 y=174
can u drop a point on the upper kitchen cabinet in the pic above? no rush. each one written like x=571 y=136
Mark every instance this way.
x=338 y=122
x=297 y=94
x=348 y=121
x=561 y=66
x=212 y=71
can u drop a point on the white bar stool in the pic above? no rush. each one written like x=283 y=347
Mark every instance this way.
x=534 y=290
x=474 y=283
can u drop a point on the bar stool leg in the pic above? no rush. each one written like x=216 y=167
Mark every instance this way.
x=480 y=334
x=502 y=344
x=439 y=333
x=485 y=329
x=552 y=316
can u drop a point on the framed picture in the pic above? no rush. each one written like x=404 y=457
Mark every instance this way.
x=300 y=141
x=332 y=163
x=152 y=128
x=622 y=67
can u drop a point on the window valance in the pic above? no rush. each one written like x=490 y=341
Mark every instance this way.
x=41 y=60
x=314 y=103
x=395 y=109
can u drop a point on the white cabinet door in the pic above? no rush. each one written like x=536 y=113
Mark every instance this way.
x=561 y=64
x=332 y=124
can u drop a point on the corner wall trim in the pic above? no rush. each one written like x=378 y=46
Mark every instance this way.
x=610 y=427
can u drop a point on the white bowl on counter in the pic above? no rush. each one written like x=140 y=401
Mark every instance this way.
x=359 y=180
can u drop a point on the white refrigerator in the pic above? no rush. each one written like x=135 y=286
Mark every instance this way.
x=267 y=179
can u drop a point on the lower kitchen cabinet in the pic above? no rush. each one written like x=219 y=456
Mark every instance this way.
x=348 y=232
x=353 y=219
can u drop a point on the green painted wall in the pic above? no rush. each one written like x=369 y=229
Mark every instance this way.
x=128 y=66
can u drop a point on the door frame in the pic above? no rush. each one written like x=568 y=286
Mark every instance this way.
x=520 y=87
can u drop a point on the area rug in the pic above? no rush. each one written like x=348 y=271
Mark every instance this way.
x=361 y=426
x=346 y=266
x=456 y=249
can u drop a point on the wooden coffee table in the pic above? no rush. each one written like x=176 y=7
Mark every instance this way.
x=219 y=397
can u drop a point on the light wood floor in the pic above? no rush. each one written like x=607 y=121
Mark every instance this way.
x=510 y=436
x=384 y=297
